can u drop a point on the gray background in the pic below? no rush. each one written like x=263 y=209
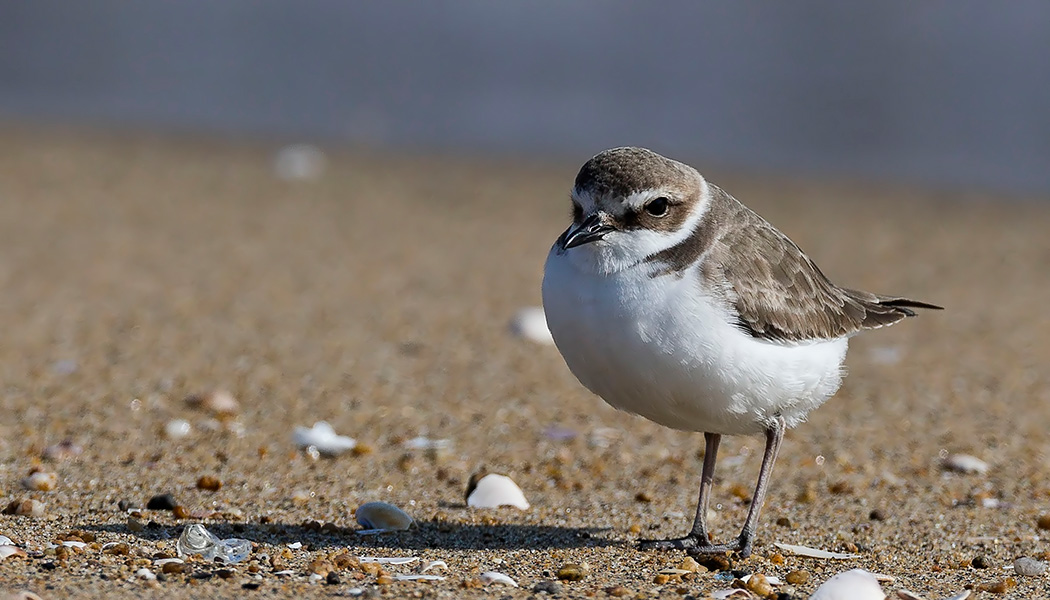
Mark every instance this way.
x=953 y=93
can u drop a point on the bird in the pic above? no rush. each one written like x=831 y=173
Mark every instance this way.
x=670 y=299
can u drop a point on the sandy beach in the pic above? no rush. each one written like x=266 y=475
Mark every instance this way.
x=138 y=271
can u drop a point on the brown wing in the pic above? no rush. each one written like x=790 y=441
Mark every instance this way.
x=783 y=296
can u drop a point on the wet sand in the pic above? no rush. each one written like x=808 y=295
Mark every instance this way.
x=137 y=271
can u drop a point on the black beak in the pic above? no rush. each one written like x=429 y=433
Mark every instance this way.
x=591 y=230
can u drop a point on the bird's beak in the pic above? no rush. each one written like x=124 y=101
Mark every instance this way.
x=591 y=230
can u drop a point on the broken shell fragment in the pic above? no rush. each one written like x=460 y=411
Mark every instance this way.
x=855 y=584
x=494 y=491
x=322 y=437
x=7 y=551
x=496 y=577
x=40 y=481
x=531 y=324
x=813 y=552
x=965 y=463
x=380 y=516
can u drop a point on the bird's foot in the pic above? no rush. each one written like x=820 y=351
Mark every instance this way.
x=695 y=545
x=698 y=546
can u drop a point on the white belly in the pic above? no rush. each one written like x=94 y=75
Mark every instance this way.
x=659 y=348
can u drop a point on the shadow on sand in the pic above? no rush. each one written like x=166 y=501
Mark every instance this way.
x=428 y=534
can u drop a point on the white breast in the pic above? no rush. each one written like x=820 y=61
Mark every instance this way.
x=661 y=348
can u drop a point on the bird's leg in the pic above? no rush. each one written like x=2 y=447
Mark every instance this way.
x=774 y=437
x=697 y=541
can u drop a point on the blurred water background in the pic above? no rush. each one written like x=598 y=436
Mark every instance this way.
x=949 y=93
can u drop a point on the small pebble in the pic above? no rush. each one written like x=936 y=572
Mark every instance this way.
x=574 y=572
x=40 y=481
x=618 y=591
x=135 y=525
x=758 y=584
x=251 y=585
x=998 y=587
x=1043 y=521
x=332 y=578
x=797 y=577
x=25 y=508
x=714 y=562
x=878 y=515
x=784 y=522
x=380 y=515
x=162 y=502
x=1029 y=567
x=981 y=562
x=548 y=587
x=209 y=483
x=965 y=463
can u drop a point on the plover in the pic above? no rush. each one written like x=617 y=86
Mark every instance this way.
x=670 y=299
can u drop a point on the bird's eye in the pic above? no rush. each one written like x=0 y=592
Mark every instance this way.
x=657 y=207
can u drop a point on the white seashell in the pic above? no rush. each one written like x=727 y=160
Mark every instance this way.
x=6 y=541
x=74 y=544
x=425 y=443
x=380 y=515
x=146 y=574
x=531 y=324
x=295 y=545
x=495 y=577
x=160 y=562
x=10 y=550
x=965 y=463
x=40 y=481
x=907 y=595
x=176 y=429
x=813 y=552
x=770 y=579
x=388 y=560
x=316 y=577
x=322 y=437
x=856 y=584
x=284 y=573
x=298 y=162
x=493 y=491
x=418 y=577
x=435 y=564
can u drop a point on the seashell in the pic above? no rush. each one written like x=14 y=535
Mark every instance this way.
x=425 y=443
x=965 y=463
x=176 y=429
x=493 y=491
x=388 y=560
x=146 y=574
x=814 y=552
x=6 y=541
x=64 y=450
x=25 y=508
x=322 y=437
x=855 y=584
x=40 y=481
x=160 y=562
x=7 y=551
x=531 y=324
x=383 y=516
x=495 y=577
x=299 y=162
x=219 y=402
x=418 y=578
x=435 y=564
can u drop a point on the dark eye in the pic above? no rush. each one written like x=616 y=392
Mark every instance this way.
x=657 y=207
x=577 y=212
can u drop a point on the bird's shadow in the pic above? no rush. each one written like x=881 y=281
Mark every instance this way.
x=427 y=534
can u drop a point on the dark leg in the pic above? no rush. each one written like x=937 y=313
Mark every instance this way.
x=774 y=437
x=697 y=540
